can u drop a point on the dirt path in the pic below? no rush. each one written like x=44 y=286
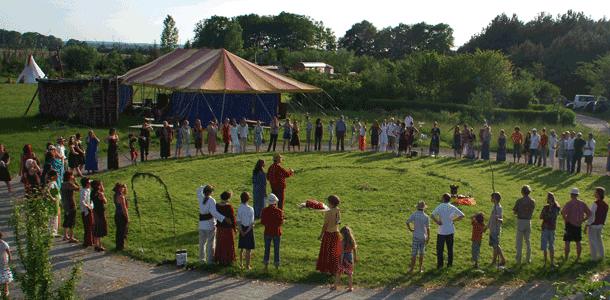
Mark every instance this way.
x=108 y=276
x=593 y=123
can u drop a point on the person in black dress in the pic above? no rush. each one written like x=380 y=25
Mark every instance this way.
x=100 y=226
x=166 y=135
x=80 y=158
x=295 y=141
x=374 y=131
x=113 y=150
x=318 y=135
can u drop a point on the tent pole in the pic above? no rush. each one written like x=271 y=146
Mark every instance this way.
x=222 y=112
x=31 y=102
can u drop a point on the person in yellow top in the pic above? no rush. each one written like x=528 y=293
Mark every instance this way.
x=517 y=138
x=330 y=249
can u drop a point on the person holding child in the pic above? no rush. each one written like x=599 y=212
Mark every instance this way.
x=272 y=218
x=445 y=215
x=421 y=234
x=225 y=244
x=496 y=218
x=348 y=257
x=478 y=227
x=6 y=276
x=549 y=215
x=595 y=224
x=330 y=249
x=245 y=225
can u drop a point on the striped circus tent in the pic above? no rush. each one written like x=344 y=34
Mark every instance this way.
x=215 y=71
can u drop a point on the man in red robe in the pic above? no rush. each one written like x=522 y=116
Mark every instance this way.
x=277 y=179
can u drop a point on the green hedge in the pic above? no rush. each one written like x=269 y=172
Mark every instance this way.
x=547 y=116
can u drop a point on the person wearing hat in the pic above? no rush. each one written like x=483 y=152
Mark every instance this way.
x=331 y=128
x=277 y=178
x=207 y=223
x=341 y=130
x=421 y=233
x=534 y=145
x=579 y=144
x=574 y=213
x=445 y=215
x=272 y=218
x=524 y=208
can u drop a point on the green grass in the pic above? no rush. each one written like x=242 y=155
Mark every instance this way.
x=377 y=217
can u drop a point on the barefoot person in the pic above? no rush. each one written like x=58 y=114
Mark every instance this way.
x=549 y=215
x=348 y=257
x=574 y=213
x=330 y=249
x=245 y=225
x=495 y=227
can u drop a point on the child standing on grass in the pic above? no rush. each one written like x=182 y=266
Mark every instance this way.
x=478 y=227
x=549 y=215
x=132 y=148
x=245 y=224
x=6 y=275
x=495 y=226
x=347 y=258
x=421 y=234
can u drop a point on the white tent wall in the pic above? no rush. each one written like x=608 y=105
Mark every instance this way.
x=30 y=72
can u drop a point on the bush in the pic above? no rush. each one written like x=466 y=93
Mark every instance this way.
x=498 y=114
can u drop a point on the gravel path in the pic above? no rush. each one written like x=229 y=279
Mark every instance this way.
x=593 y=123
x=108 y=276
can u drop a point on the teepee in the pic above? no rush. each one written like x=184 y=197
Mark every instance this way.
x=30 y=72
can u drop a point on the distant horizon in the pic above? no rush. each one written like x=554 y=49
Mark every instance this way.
x=129 y=22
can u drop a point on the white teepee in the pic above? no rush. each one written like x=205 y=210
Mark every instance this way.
x=30 y=72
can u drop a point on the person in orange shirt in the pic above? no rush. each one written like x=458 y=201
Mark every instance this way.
x=277 y=179
x=517 y=138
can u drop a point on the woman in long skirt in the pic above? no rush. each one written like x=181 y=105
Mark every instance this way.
x=100 y=225
x=457 y=140
x=330 y=249
x=91 y=155
x=225 y=243
x=374 y=131
x=259 y=185
x=212 y=129
x=362 y=143
x=383 y=136
x=501 y=156
x=113 y=150
x=121 y=215
x=86 y=208
x=166 y=136
x=198 y=133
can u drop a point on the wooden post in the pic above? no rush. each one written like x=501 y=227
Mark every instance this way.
x=31 y=102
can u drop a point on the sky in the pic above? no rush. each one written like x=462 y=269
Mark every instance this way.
x=141 y=21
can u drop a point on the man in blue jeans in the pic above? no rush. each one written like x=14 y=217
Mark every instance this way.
x=341 y=129
x=443 y=215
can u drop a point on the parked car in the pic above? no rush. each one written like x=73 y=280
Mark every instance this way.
x=580 y=101
x=601 y=105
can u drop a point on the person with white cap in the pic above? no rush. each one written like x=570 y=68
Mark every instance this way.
x=579 y=144
x=207 y=223
x=421 y=233
x=574 y=213
x=534 y=145
x=272 y=218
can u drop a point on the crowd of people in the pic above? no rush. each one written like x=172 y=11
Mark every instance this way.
x=574 y=213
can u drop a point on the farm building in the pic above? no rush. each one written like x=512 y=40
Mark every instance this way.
x=320 y=66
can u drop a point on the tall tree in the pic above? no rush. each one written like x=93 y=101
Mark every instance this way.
x=210 y=33
x=233 y=41
x=169 y=36
x=360 y=38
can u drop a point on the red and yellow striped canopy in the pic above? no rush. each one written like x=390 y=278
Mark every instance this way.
x=212 y=71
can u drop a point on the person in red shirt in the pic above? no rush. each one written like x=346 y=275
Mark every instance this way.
x=272 y=218
x=478 y=227
x=277 y=179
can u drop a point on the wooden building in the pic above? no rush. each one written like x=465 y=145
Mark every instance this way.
x=93 y=102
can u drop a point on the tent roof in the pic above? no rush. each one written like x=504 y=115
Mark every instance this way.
x=212 y=71
x=31 y=71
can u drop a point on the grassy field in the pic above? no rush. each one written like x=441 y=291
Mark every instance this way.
x=377 y=217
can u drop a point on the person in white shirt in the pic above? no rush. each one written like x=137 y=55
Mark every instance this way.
x=243 y=135
x=443 y=215
x=595 y=224
x=245 y=223
x=331 y=129
x=207 y=223
x=408 y=120
x=570 y=149
x=421 y=233
x=391 y=135
x=589 y=152
x=61 y=151
x=186 y=135
x=535 y=144
x=552 y=146
x=86 y=209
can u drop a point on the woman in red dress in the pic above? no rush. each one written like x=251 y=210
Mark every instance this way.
x=225 y=243
x=226 y=134
x=330 y=249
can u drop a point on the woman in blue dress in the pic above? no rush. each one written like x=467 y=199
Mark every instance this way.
x=91 y=155
x=259 y=184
